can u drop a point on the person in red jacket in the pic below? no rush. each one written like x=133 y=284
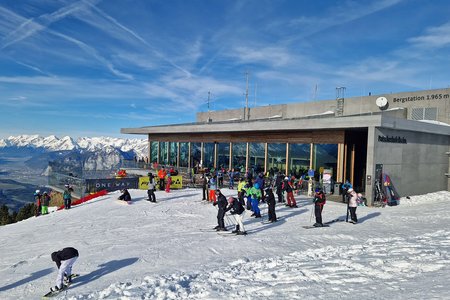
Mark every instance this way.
x=162 y=177
x=319 y=201
x=169 y=182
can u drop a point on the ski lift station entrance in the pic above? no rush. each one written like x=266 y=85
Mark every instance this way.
x=405 y=135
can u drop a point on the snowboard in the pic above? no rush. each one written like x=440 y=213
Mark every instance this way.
x=311 y=226
x=124 y=202
x=64 y=288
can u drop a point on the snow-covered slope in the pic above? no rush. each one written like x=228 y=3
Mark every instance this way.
x=167 y=251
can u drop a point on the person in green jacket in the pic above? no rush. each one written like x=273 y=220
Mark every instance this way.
x=255 y=193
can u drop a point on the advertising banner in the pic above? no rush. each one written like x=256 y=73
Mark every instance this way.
x=112 y=184
x=177 y=182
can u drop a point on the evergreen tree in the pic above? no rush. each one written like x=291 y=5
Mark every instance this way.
x=26 y=212
x=5 y=218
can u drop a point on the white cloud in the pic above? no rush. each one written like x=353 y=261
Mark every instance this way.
x=435 y=37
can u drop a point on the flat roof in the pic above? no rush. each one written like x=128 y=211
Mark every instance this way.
x=383 y=120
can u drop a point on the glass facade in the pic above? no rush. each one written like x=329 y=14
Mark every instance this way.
x=208 y=155
x=256 y=157
x=239 y=152
x=163 y=151
x=196 y=154
x=299 y=159
x=184 y=155
x=154 y=151
x=223 y=155
x=173 y=153
x=276 y=156
x=325 y=156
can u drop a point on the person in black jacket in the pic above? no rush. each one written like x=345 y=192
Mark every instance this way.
x=238 y=211
x=125 y=195
x=279 y=187
x=270 y=199
x=205 y=187
x=319 y=201
x=64 y=260
x=222 y=205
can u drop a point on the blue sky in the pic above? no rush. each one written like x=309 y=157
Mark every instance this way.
x=91 y=67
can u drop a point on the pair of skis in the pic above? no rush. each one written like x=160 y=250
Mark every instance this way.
x=326 y=224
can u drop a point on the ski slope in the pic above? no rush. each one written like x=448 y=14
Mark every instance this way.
x=166 y=250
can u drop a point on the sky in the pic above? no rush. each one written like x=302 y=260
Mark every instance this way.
x=91 y=67
x=168 y=250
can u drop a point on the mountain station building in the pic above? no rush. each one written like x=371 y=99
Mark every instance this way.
x=405 y=135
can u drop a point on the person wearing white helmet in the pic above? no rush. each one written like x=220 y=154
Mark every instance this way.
x=38 y=197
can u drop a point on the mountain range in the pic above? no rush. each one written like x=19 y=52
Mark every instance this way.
x=26 y=161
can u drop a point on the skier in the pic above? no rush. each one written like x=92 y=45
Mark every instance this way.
x=64 y=260
x=212 y=189
x=289 y=193
x=45 y=202
x=261 y=182
x=345 y=187
x=38 y=198
x=220 y=177
x=238 y=212
x=255 y=195
x=352 y=205
x=125 y=195
x=205 y=187
x=241 y=190
x=67 y=196
x=151 y=188
x=319 y=201
x=279 y=187
x=222 y=205
x=270 y=200
x=162 y=175
x=231 y=175
x=169 y=182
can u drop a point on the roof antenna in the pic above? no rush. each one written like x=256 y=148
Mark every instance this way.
x=246 y=112
x=209 y=111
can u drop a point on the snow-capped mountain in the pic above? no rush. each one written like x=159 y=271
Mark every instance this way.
x=52 y=143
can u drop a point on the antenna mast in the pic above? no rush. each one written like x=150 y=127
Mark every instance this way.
x=209 y=111
x=246 y=116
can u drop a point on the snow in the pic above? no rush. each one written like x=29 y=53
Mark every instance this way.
x=167 y=250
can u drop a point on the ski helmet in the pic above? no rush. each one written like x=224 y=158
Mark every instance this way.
x=37 y=191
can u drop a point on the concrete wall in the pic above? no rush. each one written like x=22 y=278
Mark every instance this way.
x=439 y=98
x=417 y=167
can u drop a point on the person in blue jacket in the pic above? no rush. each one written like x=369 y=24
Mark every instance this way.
x=345 y=187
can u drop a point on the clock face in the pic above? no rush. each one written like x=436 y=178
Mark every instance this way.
x=381 y=101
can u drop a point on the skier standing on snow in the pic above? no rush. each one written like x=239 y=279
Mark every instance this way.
x=255 y=195
x=270 y=200
x=162 y=177
x=238 y=212
x=241 y=190
x=279 y=187
x=231 y=174
x=205 y=187
x=319 y=201
x=151 y=188
x=289 y=193
x=169 y=182
x=212 y=189
x=67 y=196
x=345 y=187
x=222 y=205
x=64 y=260
x=352 y=198
x=45 y=203
x=38 y=198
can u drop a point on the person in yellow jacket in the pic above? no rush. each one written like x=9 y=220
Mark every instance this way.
x=241 y=190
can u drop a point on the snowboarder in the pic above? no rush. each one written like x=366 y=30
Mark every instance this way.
x=38 y=198
x=169 y=182
x=151 y=188
x=125 y=196
x=270 y=200
x=45 y=202
x=319 y=201
x=162 y=177
x=237 y=210
x=67 y=196
x=352 y=205
x=222 y=205
x=289 y=193
x=64 y=260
